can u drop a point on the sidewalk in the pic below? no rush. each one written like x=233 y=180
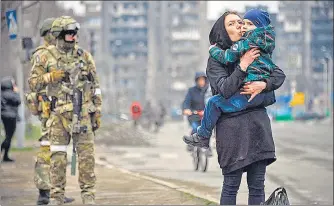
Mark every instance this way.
x=113 y=186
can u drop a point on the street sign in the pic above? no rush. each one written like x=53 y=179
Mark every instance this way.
x=11 y=19
x=298 y=99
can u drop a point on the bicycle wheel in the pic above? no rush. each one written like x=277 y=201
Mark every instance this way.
x=203 y=159
x=196 y=160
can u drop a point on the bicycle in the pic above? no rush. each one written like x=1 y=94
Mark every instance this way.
x=199 y=154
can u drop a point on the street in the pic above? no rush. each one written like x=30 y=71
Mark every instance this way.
x=304 y=163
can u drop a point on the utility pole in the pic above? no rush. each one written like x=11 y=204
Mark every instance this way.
x=325 y=84
x=0 y=42
x=152 y=60
x=19 y=77
x=330 y=85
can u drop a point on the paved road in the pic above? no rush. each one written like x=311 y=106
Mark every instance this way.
x=304 y=165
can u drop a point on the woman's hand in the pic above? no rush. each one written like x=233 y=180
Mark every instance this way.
x=15 y=89
x=253 y=88
x=248 y=58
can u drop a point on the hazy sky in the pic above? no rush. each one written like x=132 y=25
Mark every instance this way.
x=214 y=7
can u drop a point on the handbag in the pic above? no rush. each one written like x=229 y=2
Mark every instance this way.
x=279 y=198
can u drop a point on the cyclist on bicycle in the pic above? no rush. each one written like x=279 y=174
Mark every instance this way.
x=195 y=102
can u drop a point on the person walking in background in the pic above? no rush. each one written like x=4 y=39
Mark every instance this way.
x=10 y=101
x=162 y=114
x=136 y=112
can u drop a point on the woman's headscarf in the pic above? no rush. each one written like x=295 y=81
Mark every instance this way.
x=218 y=34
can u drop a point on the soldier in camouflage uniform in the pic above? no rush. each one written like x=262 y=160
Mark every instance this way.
x=42 y=110
x=53 y=69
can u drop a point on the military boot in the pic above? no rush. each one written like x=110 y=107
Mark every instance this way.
x=44 y=197
x=68 y=199
x=88 y=200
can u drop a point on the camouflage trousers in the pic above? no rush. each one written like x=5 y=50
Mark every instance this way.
x=42 y=165
x=59 y=136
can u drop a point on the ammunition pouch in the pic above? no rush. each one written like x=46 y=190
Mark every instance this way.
x=45 y=106
x=91 y=112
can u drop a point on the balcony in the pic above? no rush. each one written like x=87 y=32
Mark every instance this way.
x=129 y=60
x=191 y=34
x=128 y=35
x=129 y=49
x=293 y=27
x=120 y=10
x=129 y=24
x=184 y=48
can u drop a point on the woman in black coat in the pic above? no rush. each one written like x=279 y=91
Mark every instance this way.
x=243 y=139
x=10 y=100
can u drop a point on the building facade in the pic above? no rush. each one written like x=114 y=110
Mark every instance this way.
x=307 y=37
x=125 y=49
x=187 y=50
x=153 y=49
x=321 y=38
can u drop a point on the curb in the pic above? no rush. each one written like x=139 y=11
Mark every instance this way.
x=156 y=180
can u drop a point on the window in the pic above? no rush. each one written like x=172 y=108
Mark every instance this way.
x=145 y=5
x=125 y=18
x=142 y=44
x=116 y=69
x=125 y=82
x=324 y=37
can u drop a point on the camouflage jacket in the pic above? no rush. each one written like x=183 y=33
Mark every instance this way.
x=35 y=53
x=262 y=38
x=52 y=59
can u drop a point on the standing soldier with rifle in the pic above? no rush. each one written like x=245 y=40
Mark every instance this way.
x=69 y=75
x=39 y=105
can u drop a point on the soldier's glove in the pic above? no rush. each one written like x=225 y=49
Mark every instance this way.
x=54 y=76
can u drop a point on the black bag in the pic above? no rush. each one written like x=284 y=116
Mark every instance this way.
x=281 y=198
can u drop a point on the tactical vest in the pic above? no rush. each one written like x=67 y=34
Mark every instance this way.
x=78 y=77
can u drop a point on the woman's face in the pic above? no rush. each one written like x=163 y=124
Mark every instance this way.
x=247 y=26
x=233 y=25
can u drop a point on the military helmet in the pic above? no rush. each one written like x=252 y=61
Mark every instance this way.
x=64 y=23
x=46 y=26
